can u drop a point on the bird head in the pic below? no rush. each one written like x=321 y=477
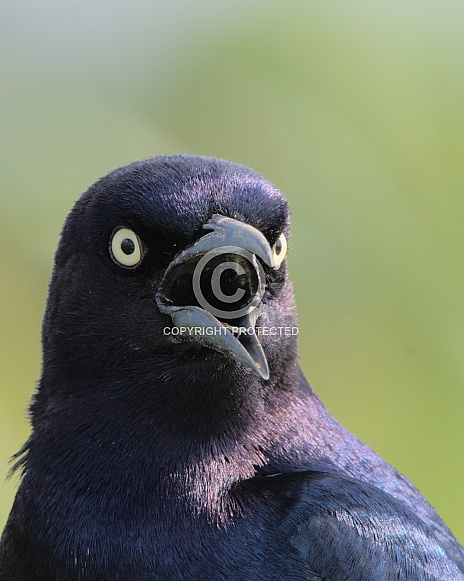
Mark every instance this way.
x=172 y=257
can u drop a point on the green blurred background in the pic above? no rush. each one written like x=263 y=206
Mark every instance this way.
x=355 y=109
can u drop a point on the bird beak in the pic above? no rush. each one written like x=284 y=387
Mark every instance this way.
x=212 y=290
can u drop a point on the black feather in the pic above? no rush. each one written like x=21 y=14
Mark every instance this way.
x=153 y=458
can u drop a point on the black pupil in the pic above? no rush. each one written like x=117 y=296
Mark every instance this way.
x=278 y=247
x=128 y=246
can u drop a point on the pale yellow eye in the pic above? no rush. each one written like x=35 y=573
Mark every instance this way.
x=126 y=247
x=279 y=250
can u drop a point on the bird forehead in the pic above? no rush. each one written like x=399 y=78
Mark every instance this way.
x=178 y=203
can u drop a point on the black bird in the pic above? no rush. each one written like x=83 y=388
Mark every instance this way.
x=174 y=436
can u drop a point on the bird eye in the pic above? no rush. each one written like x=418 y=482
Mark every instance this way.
x=279 y=250
x=126 y=248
